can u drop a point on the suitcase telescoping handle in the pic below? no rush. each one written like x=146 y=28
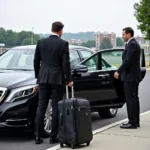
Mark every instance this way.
x=67 y=93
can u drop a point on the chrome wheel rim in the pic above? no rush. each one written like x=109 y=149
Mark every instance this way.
x=48 y=117
x=113 y=111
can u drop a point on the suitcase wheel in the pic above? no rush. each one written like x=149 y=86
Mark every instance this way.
x=72 y=146
x=61 y=145
x=88 y=143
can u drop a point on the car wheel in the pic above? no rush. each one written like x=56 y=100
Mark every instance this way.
x=108 y=113
x=48 y=119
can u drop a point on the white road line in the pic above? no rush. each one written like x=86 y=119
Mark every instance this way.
x=102 y=129
x=54 y=148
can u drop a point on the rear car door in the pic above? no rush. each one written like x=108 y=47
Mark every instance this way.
x=98 y=85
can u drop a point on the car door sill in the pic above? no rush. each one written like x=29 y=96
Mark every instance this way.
x=118 y=105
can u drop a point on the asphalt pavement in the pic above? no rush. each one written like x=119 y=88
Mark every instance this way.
x=18 y=140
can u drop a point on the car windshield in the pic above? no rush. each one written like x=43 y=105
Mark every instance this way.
x=15 y=59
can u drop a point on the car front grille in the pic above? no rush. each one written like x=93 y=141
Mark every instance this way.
x=2 y=93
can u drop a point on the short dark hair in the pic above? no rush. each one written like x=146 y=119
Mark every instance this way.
x=129 y=30
x=57 y=26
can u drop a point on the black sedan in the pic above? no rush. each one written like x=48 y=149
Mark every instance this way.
x=93 y=79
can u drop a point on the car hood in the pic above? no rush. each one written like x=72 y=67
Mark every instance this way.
x=13 y=79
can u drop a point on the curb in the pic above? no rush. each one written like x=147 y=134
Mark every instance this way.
x=103 y=129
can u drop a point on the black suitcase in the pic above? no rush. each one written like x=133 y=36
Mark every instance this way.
x=75 y=126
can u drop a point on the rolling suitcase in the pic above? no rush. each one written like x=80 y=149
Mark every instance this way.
x=75 y=125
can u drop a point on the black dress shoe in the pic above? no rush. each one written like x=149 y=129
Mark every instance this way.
x=38 y=140
x=128 y=126
x=125 y=123
x=53 y=140
x=138 y=124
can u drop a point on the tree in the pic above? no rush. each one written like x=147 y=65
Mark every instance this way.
x=81 y=35
x=142 y=14
x=23 y=35
x=106 y=43
x=89 y=44
x=2 y=35
x=11 y=38
x=27 y=41
x=120 y=42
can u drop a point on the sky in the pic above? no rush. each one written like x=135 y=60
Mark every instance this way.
x=77 y=15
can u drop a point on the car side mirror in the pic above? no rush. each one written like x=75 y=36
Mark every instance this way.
x=80 y=69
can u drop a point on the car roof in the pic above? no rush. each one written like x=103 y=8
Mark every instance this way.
x=30 y=47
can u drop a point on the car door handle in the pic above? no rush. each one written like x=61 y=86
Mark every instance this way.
x=103 y=75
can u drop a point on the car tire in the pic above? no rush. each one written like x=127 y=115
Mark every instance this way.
x=48 y=120
x=108 y=113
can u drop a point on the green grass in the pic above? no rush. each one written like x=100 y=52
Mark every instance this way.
x=117 y=60
x=118 y=65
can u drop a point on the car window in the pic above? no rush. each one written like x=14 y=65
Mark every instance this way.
x=103 y=64
x=26 y=60
x=112 y=60
x=74 y=58
x=5 y=59
x=85 y=54
x=92 y=63
x=17 y=59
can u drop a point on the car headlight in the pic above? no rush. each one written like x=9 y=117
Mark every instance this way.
x=21 y=93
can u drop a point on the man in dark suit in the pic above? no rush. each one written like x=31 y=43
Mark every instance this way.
x=130 y=73
x=52 y=70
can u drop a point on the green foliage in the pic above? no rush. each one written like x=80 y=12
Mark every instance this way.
x=120 y=42
x=80 y=35
x=106 y=44
x=27 y=41
x=89 y=44
x=11 y=38
x=142 y=14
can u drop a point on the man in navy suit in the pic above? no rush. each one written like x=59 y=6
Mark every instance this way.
x=130 y=74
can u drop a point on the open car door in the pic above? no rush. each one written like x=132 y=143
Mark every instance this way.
x=98 y=84
x=114 y=58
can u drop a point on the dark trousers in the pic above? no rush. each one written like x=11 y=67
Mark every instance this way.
x=47 y=92
x=132 y=101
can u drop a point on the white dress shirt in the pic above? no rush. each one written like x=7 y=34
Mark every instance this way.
x=52 y=33
x=129 y=40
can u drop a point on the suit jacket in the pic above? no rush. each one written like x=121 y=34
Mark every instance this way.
x=51 y=61
x=130 y=70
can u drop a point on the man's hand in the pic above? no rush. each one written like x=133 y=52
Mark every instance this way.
x=70 y=84
x=116 y=75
